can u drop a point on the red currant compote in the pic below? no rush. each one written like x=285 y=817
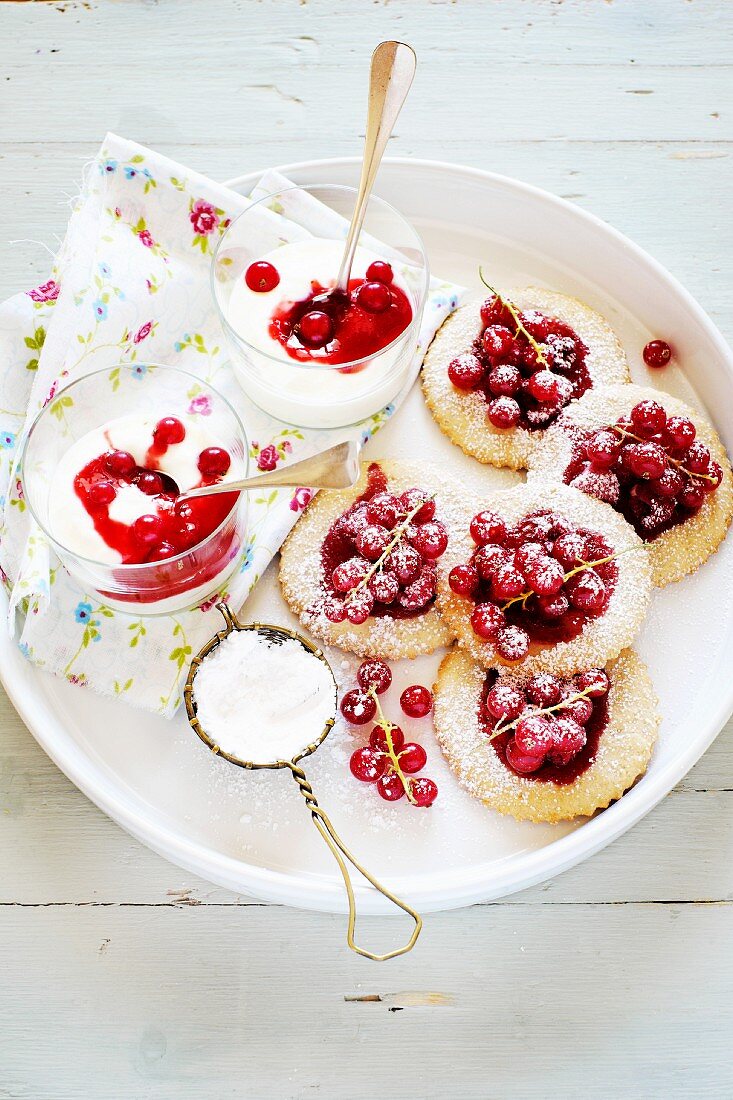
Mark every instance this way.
x=647 y=465
x=549 y=727
x=536 y=583
x=527 y=366
x=168 y=527
x=378 y=557
x=330 y=327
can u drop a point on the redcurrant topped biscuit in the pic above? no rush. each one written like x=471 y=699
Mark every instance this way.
x=656 y=461
x=499 y=373
x=359 y=568
x=544 y=747
x=545 y=578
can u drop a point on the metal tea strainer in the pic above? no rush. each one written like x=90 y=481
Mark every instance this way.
x=321 y=821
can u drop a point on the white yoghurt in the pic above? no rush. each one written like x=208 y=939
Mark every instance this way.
x=311 y=394
x=240 y=711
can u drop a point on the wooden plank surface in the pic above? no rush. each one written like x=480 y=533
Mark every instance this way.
x=126 y=977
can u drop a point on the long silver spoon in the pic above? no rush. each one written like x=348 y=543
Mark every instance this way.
x=392 y=71
x=335 y=468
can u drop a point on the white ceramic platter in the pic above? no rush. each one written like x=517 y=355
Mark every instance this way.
x=252 y=833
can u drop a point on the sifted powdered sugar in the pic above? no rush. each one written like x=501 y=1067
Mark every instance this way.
x=301 y=573
x=261 y=700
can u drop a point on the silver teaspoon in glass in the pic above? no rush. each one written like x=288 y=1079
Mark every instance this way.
x=392 y=71
x=335 y=468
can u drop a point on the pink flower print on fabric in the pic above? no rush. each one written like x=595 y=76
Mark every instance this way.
x=48 y=292
x=301 y=497
x=204 y=217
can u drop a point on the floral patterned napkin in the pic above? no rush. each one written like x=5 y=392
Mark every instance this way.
x=131 y=284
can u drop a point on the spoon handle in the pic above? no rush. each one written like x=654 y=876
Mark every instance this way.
x=335 y=468
x=392 y=71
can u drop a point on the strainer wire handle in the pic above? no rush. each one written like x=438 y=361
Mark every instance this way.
x=339 y=850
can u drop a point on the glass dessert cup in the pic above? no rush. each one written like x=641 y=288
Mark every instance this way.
x=145 y=391
x=312 y=393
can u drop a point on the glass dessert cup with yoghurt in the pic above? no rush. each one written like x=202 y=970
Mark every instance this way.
x=300 y=352
x=181 y=432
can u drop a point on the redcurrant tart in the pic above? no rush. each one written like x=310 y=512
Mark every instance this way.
x=566 y=584
x=360 y=566
x=494 y=385
x=656 y=461
x=594 y=737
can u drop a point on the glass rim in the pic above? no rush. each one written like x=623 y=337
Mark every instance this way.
x=130 y=565
x=315 y=365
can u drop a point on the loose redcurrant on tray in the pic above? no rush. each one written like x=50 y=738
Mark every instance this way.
x=387 y=760
x=500 y=372
x=657 y=353
x=360 y=566
x=562 y=581
x=416 y=701
x=546 y=747
x=656 y=461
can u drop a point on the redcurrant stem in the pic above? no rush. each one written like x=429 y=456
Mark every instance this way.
x=675 y=462
x=541 y=710
x=396 y=537
x=517 y=321
x=388 y=726
x=524 y=596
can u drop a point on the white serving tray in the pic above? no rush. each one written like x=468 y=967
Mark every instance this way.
x=251 y=832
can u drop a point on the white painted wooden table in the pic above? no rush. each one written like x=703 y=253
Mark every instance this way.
x=125 y=977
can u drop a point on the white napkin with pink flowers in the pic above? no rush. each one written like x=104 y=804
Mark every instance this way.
x=131 y=284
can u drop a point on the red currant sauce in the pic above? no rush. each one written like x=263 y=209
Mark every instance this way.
x=560 y=774
x=647 y=466
x=357 y=329
x=539 y=528
x=168 y=528
x=503 y=365
x=340 y=546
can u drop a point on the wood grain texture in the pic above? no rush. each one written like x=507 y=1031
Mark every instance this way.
x=127 y=977
x=575 y=1002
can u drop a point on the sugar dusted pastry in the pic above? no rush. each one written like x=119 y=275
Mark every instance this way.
x=544 y=577
x=656 y=461
x=499 y=373
x=544 y=748
x=359 y=569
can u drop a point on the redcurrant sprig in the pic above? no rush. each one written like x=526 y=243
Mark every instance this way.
x=396 y=538
x=516 y=317
x=582 y=568
x=386 y=760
